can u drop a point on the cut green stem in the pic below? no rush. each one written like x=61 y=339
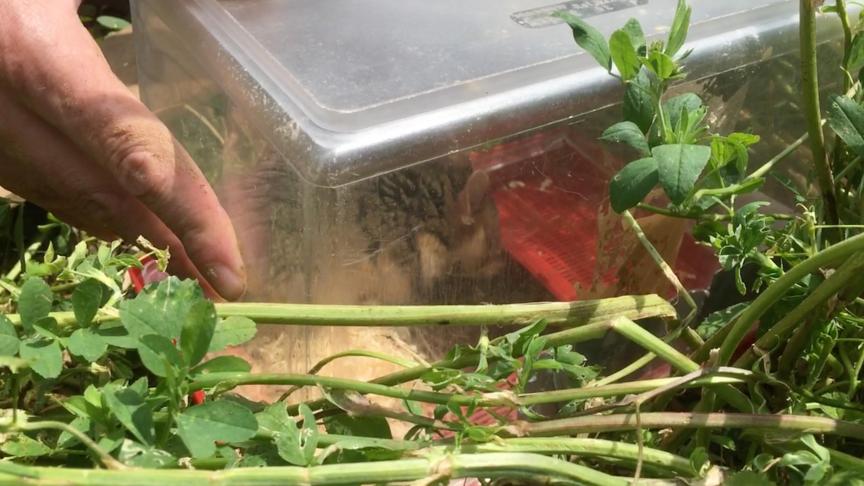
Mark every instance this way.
x=434 y=468
x=662 y=420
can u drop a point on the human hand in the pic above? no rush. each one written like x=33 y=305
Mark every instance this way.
x=75 y=141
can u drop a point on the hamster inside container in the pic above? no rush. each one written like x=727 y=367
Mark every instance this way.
x=417 y=152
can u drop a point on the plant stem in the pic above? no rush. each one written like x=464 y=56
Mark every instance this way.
x=618 y=389
x=596 y=448
x=626 y=371
x=634 y=332
x=433 y=468
x=660 y=262
x=586 y=448
x=348 y=354
x=229 y=380
x=554 y=313
x=779 y=287
x=812 y=111
x=662 y=420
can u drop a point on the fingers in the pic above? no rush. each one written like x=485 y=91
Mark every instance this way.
x=60 y=74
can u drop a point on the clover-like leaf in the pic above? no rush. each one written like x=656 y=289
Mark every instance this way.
x=588 y=38
x=197 y=331
x=131 y=410
x=9 y=342
x=202 y=425
x=624 y=54
x=43 y=355
x=639 y=105
x=86 y=300
x=34 y=302
x=232 y=331
x=630 y=186
x=680 y=26
x=158 y=354
x=161 y=309
x=679 y=166
x=86 y=343
x=222 y=364
x=629 y=133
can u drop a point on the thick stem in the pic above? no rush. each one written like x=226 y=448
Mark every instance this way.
x=775 y=291
x=554 y=313
x=435 y=468
x=662 y=420
x=596 y=448
x=587 y=448
x=228 y=380
x=812 y=110
x=618 y=389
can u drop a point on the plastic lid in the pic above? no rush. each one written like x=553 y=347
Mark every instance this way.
x=347 y=89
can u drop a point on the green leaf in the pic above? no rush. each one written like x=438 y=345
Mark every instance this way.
x=161 y=310
x=232 y=331
x=87 y=344
x=112 y=23
x=20 y=445
x=856 y=54
x=846 y=118
x=158 y=354
x=748 y=478
x=86 y=300
x=628 y=133
x=309 y=434
x=637 y=36
x=43 y=355
x=198 y=331
x=35 y=302
x=297 y=446
x=675 y=107
x=131 y=410
x=624 y=54
x=222 y=364
x=114 y=334
x=630 y=186
x=66 y=440
x=272 y=418
x=9 y=342
x=680 y=25
x=679 y=166
x=202 y=425
x=134 y=454
x=588 y=38
x=661 y=64
x=344 y=424
x=639 y=102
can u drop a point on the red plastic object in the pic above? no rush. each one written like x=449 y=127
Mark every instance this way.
x=549 y=190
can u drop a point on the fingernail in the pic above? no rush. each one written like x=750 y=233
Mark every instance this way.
x=229 y=283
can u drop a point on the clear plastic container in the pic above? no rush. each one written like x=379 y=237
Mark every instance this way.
x=416 y=151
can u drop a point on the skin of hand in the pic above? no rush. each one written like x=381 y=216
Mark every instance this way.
x=75 y=141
